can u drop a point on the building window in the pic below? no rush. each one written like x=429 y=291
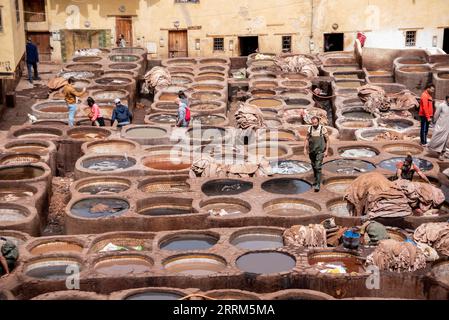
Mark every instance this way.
x=16 y=3
x=218 y=44
x=187 y=1
x=410 y=38
x=1 y=20
x=34 y=10
x=286 y=43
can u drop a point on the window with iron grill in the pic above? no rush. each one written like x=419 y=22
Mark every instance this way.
x=1 y=20
x=17 y=11
x=218 y=44
x=410 y=38
x=187 y=1
x=286 y=44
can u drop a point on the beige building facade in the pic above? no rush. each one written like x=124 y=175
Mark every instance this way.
x=235 y=27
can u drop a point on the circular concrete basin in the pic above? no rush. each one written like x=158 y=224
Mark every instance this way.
x=349 y=166
x=231 y=206
x=126 y=265
x=391 y=164
x=348 y=261
x=290 y=167
x=55 y=246
x=16 y=193
x=286 y=186
x=21 y=172
x=103 y=186
x=226 y=187
x=195 y=265
x=291 y=207
x=266 y=262
x=94 y=208
x=108 y=163
x=358 y=152
x=189 y=242
x=21 y=158
x=258 y=239
x=54 y=269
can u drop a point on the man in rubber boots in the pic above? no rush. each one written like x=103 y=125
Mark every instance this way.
x=316 y=146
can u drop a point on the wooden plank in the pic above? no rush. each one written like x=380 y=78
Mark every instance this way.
x=177 y=44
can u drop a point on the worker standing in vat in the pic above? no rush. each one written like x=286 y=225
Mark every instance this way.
x=95 y=113
x=8 y=256
x=121 y=114
x=407 y=169
x=316 y=146
x=426 y=113
x=32 y=59
x=183 y=120
x=70 y=94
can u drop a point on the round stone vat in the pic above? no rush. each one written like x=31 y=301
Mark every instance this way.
x=267 y=103
x=102 y=185
x=13 y=193
x=108 y=163
x=209 y=107
x=19 y=159
x=37 y=132
x=206 y=96
x=356 y=113
x=78 y=75
x=171 y=184
x=11 y=213
x=161 y=207
x=225 y=187
x=349 y=84
x=181 y=80
x=219 y=61
x=87 y=59
x=154 y=294
x=347 y=127
x=349 y=166
x=296 y=84
x=144 y=134
x=263 y=76
x=51 y=268
x=402 y=149
x=208 y=87
x=39 y=247
x=258 y=239
x=378 y=134
x=94 y=208
x=189 y=241
x=266 y=262
x=50 y=110
x=160 y=118
x=264 y=84
x=396 y=124
x=123 y=66
x=123 y=58
x=179 y=62
x=415 y=69
x=88 y=134
x=391 y=164
x=111 y=146
x=166 y=162
x=260 y=93
x=339 y=185
x=211 y=73
x=291 y=207
x=123 y=265
x=290 y=167
x=262 y=63
x=113 y=81
x=168 y=96
x=122 y=241
x=211 y=120
x=286 y=186
x=207 y=79
x=358 y=152
x=293 y=76
x=410 y=60
x=120 y=73
x=213 y=67
x=301 y=294
x=441 y=272
x=89 y=67
x=207 y=134
x=50 y=122
x=194 y=265
x=231 y=295
x=30 y=146
x=277 y=135
x=351 y=263
x=109 y=95
x=231 y=206
x=23 y=173
x=269 y=113
x=270 y=151
x=182 y=73
x=339 y=207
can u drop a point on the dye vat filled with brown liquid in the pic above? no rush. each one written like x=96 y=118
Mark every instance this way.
x=266 y=103
x=167 y=163
x=195 y=265
x=10 y=194
x=21 y=173
x=146 y=132
x=291 y=207
x=57 y=246
x=326 y=260
x=230 y=206
x=28 y=148
x=124 y=266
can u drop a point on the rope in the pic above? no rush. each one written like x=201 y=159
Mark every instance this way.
x=195 y=295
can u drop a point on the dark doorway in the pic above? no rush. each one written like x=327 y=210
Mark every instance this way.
x=446 y=40
x=248 y=45
x=334 y=42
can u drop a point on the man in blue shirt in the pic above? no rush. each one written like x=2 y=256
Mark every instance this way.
x=182 y=112
x=32 y=59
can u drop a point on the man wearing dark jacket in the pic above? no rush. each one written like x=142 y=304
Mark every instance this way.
x=32 y=60
x=121 y=114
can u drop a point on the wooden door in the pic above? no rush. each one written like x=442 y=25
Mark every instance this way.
x=42 y=41
x=124 y=25
x=177 y=44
